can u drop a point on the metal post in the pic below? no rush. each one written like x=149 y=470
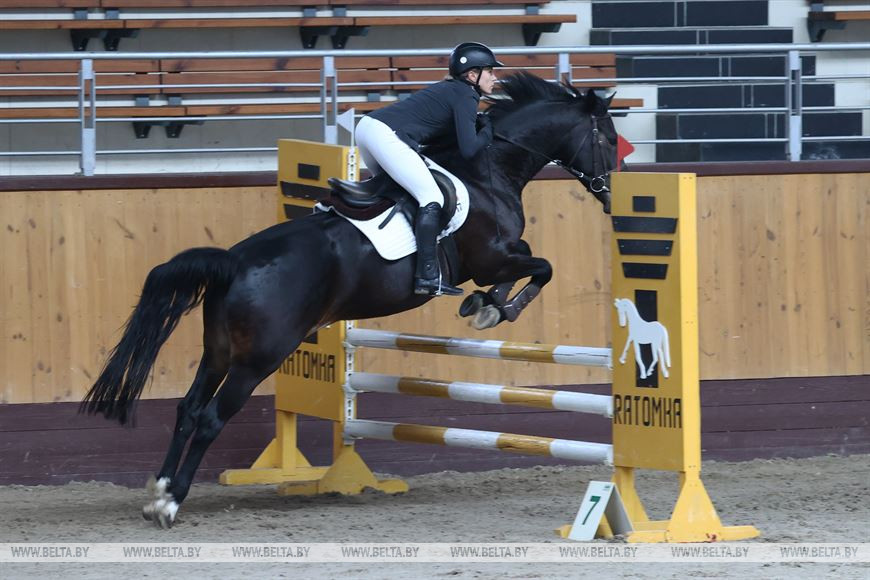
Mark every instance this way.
x=88 y=116
x=329 y=86
x=563 y=68
x=794 y=102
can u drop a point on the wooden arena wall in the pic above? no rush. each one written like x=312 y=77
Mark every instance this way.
x=784 y=281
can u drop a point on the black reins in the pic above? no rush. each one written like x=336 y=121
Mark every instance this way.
x=597 y=184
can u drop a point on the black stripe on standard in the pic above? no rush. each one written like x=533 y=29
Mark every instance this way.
x=308 y=171
x=645 y=271
x=647 y=302
x=645 y=247
x=645 y=225
x=643 y=203
x=292 y=212
x=290 y=189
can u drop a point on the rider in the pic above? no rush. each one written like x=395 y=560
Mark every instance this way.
x=389 y=140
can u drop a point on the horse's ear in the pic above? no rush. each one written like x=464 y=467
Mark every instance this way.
x=590 y=101
x=609 y=100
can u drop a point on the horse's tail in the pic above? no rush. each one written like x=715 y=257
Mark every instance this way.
x=171 y=290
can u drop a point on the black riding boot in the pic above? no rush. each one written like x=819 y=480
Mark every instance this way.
x=427 y=279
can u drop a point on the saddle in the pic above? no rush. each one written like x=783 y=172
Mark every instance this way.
x=365 y=200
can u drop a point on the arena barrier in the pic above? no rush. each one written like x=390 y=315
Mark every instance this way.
x=655 y=406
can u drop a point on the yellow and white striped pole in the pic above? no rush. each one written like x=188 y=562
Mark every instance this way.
x=484 y=393
x=473 y=439
x=499 y=349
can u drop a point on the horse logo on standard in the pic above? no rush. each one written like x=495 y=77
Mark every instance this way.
x=642 y=332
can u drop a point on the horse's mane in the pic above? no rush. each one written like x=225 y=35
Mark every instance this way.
x=522 y=89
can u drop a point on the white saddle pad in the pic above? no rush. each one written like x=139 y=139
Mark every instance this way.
x=396 y=240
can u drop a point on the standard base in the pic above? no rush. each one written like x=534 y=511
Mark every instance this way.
x=694 y=518
x=270 y=475
x=660 y=532
x=348 y=475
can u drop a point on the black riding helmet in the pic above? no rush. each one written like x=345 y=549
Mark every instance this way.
x=469 y=55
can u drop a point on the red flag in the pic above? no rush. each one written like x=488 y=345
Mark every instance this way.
x=623 y=150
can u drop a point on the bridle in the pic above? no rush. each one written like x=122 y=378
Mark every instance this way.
x=595 y=184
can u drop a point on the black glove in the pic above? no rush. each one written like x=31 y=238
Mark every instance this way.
x=483 y=122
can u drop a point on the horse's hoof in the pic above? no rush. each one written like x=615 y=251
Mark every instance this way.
x=162 y=510
x=472 y=304
x=487 y=317
x=165 y=522
x=164 y=513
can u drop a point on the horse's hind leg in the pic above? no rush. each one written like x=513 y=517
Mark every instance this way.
x=211 y=372
x=235 y=391
x=655 y=358
x=662 y=360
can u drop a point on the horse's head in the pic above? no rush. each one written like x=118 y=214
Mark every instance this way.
x=561 y=124
x=621 y=306
x=595 y=149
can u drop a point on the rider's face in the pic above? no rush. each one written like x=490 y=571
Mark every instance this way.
x=487 y=80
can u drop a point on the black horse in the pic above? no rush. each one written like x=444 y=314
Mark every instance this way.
x=264 y=295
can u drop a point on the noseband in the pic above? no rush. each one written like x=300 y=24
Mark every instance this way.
x=597 y=184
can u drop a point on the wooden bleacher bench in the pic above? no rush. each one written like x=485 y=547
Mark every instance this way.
x=427 y=69
x=111 y=25
x=23 y=4
x=820 y=20
x=249 y=3
x=150 y=88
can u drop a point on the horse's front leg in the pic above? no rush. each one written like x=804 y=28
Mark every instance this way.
x=513 y=268
x=625 y=351
x=497 y=295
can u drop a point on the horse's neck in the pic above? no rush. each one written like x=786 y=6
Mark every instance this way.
x=506 y=168
x=525 y=151
x=633 y=314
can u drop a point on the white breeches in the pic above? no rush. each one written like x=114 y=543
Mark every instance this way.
x=382 y=150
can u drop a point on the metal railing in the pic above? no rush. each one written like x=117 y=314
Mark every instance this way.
x=327 y=91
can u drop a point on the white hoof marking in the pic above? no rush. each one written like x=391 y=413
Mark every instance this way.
x=164 y=507
x=166 y=511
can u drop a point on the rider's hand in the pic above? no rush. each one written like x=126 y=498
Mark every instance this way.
x=483 y=122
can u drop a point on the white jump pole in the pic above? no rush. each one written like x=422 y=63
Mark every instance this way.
x=498 y=349
x=526 y=444
x=484 y=393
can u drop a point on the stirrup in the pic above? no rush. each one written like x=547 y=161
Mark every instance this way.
x=435 y=287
